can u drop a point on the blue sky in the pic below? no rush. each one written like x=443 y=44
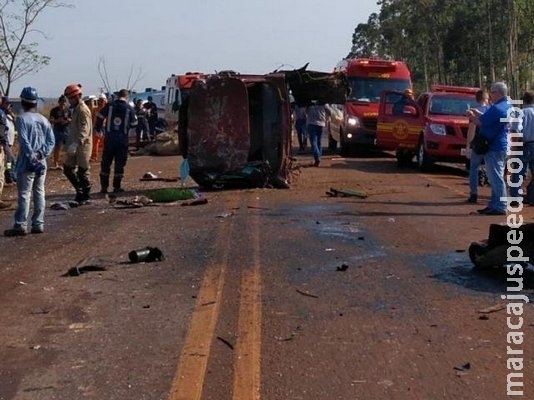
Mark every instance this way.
x=162 y=37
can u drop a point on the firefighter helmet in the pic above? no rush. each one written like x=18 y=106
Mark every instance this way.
x=73 y=90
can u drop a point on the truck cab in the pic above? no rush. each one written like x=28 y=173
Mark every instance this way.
x=177 y=87
x=436 y=129
x=368 y=78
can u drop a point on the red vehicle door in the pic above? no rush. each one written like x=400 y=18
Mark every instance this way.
x=400 y=123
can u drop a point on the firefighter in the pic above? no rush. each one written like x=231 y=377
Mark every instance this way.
x=79 y=144
x=120 y=118
x=97 y=139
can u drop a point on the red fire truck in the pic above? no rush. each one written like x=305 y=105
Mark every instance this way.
x=368 y=78
x=433 y=128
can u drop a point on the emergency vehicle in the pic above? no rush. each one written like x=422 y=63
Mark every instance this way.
x=176 y=88
x=433 y=128
x=368 y=78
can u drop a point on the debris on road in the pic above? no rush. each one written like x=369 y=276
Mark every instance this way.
x=65 y=205
x=78 y=270
x=304 y=293
x=346 y=193
x=135 y=202
x=492 y=309
x=196 y=202
x=343 y=267
x=483 y=317
x=493 y=251
x=225 y=215
x=146 y=254
x=226 y=342
x=169 y=195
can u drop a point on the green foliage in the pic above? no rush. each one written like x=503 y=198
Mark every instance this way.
x=169 y=195
x=454 y=42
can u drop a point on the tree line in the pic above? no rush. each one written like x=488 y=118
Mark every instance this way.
x=454 y=42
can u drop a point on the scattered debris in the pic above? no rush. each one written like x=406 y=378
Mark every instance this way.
x=135 y=202
x=226 y=342
x=35 y=347
x=65 y=205
x=196 y=202
x=343 y=267
x=361 y=237
x=329 y=249
x=149 y=175
x=291 y=335
x=146 y=306
x=168 y=195
x=492 y=309
x=258 y=208
x=78 y=270
x=460 y=250
x=483 y=317
x=225 y=215
x=40 y=311
x=461 y=370
x=22 y=283
x=146 y=254
x=302 y=292
x=346 y=193
x=391 y=220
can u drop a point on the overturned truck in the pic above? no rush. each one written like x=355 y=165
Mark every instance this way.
x=237 y=128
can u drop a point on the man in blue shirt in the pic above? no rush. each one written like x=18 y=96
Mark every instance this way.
x=526 y=129
x=494 y=126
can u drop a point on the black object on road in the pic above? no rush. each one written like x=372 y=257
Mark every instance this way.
x=146 y=254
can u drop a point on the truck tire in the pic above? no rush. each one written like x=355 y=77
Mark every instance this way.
x=424 y=163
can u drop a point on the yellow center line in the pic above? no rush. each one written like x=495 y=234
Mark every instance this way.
x=247 y=360
x=189 y=378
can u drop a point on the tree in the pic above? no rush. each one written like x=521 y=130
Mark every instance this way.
x=130 y=82
x=18 y=53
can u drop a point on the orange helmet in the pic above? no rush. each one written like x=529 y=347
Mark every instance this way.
x=73 y=90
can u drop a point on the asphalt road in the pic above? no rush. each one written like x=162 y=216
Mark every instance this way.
x=263 y=293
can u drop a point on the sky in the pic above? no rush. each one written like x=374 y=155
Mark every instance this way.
x=164 y=37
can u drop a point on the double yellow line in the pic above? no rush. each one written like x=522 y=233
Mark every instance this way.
x=189 y=379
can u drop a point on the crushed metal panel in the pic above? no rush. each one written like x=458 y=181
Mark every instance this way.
x=314 y=87
x=218 y=127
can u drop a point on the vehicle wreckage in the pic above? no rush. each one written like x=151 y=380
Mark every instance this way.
x=494 y=251
x=235 y=130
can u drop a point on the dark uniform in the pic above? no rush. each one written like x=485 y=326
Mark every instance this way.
x=120 y=118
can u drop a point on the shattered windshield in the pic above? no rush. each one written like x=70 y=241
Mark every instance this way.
x=441 y=105
x=369 y=89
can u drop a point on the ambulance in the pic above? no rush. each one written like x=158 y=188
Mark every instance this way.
x=176 y=88
x=368 y=78
x=432 y=128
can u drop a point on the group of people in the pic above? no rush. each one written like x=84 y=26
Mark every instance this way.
x=494 y=126
x=72 y=127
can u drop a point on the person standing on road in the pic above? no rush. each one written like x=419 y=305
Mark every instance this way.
x=142 y=129
x=120 y=118
x=97 y=139
x=7 y=108
x=527 y=157
x=60 y=119
x=5 y=153
x=300 y=127
x=315 y=124
x=79 y=145
x=475 y=159
x=494 y=128
x=36 y=141
x=152 y=115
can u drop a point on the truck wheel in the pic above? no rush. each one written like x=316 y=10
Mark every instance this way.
x=423 y=161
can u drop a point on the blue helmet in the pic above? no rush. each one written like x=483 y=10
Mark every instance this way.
x=29 y=95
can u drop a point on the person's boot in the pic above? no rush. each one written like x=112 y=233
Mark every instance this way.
x=104 y=183
x=117 y=185
x=85 y=185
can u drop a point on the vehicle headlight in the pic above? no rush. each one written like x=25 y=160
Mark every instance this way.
x=353 y=121
x=438 y=129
